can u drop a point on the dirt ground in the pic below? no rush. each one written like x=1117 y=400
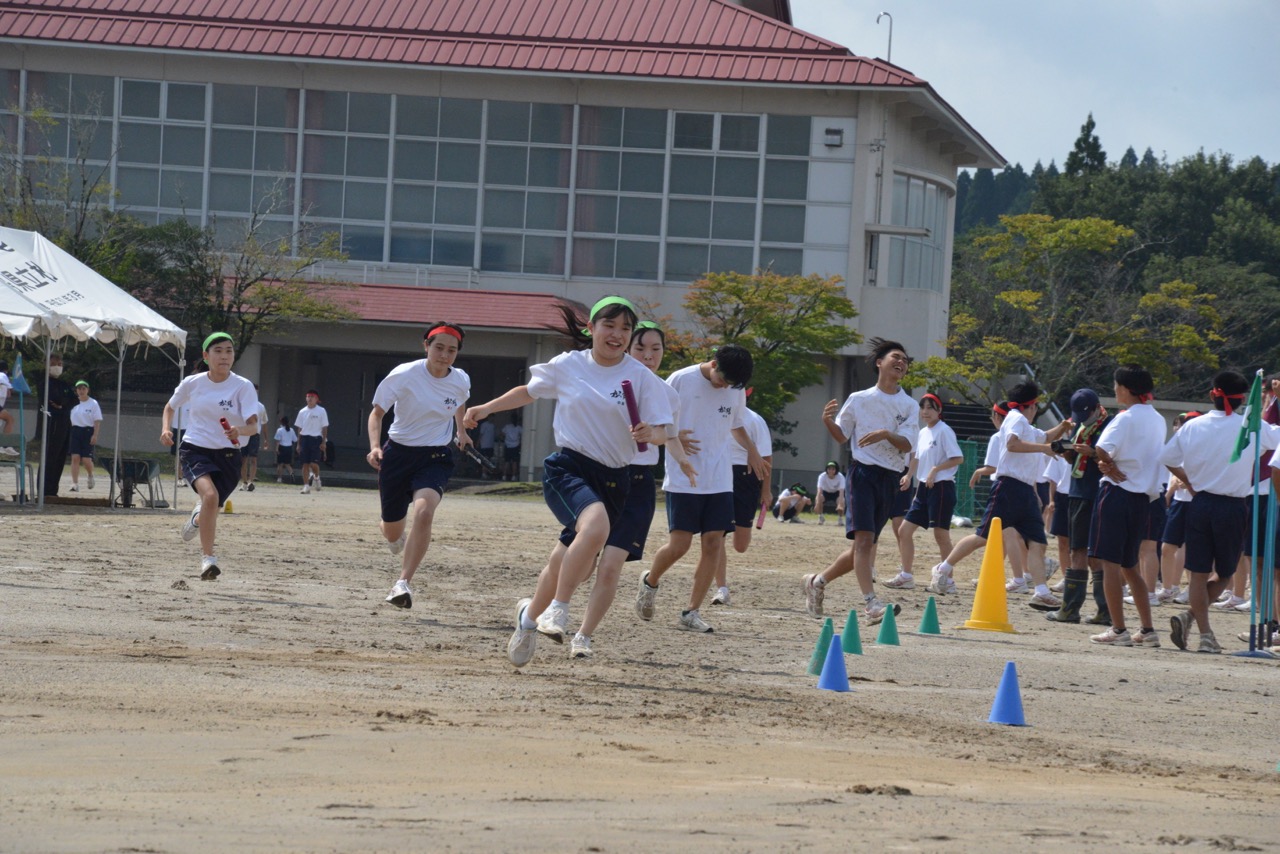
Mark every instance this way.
x=287 y=707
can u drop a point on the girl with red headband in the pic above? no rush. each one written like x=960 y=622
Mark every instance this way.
x=934 y=464
x=430 y=397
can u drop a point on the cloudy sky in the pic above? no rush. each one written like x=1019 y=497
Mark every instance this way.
x=1175 y=75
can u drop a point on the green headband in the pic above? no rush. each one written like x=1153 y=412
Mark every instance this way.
x=648 y=324
x=82 y=383
x=608 y=301
x=213 y=339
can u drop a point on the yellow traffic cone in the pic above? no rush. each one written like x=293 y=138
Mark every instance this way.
x=990 y=605
x=226 y=508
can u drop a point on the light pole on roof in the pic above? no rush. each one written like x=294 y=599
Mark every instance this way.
x=888 y=56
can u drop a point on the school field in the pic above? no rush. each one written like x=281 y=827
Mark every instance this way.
x=286 y=707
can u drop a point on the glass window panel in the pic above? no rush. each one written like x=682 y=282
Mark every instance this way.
x=915 y=203
x=412 y=203
x=229 y=231
x=92 y=95
x=456 y=206
x=9 y=88
x=417 y=116
x=592 y=257
x=183 y=146
x=366 y=201
x=926 y=268
x=691 y=175
x=460 y=119
x=273 y=195
x=459 y=162
x=600 y=126
x=232 y=149
x=899 y=200
x=644 y=128
x=788 y=135
x=504 y=208
x=786 y=179
x=501 y=253
x=229 y=192
x=911 y=265
x=549 y=167
x=782 y=224
x=453 y=248
x=737 y=176
x=326 y=110
x=544 y=255
x=639 y=216
x=595 y=213
x=185 y=102
x=138 y=187
x=324 y=155
x=694 y=130
x=271 y=153
x=740 y=133
x=689 y=219
x=362 y=242
x=598 y=170
x=509 y=121
x=369 y=113
x=415 y=160
x=410 y=246
x=552 y=123
x=322 y=198
x=547 y=211
x=233 y=105
x=180 y=189
x=784 y=262
x=637 y=260
x=96 y=139
x=730 y=259
x=734 y=221
x=506 y=164
x=897 y=252
x=642 y=173
x=49 y=89
x=686 y=262
x=139 y=143
x=367 y=158
x=277 y=108
x=140 y=98
x=930 y=205
x=51 y=141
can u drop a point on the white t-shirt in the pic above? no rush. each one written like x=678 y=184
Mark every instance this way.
x=649 y=456
x=710 y=413
x=1134 y=439
x=86 y=413
x=286 y=437
x=263 y=426
x=425 y=405
x=830 y=484
x=871 y=409
x=994 y=452
x=511 y=434
x=233 y=399
x=311 y=420
x=591 y=412
x=758 y=431
x=935 y=446
x=5 y=387
x=1058 y=472
x=486 y=434
x=1202 y=447
x=1020 y=466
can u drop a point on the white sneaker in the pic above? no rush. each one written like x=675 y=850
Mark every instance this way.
x=951 y=585
x=1183 y=596
x=901 y=581
x=1168 y=594
x=813 y=595
x=1244 y=607
x=646 y=598
x=279 y=480
x=1045 y=602
x=91 y=480
x=318 y=483
x=306 y=490
x=822 y=520
x=9 y=452
x=191 y=527
x=938 y=581
x=721 y=597
x=1225 y=595
x=1059 y=586
x=554 y=622
x=523 y=641
x=74 y=488
x=1209 y=643
x=1148 y=639
x=1152 y=600
x=874 y=611
x=1113 y=638
x=1017 y=585
x=398 y=546
x=691 y=621
x=209 y=568
x=580 y=647
x=1229 y=603
x=401 y=596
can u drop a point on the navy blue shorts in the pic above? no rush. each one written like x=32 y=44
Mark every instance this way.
x=221 y=465
x=1175 y=524
x=80 y=444
x=933 y=508
x=1155 y=520
x=572 y=482
x=902 y=499
x=1079 y=520
x=699 y=514
x=829 y=501
x=251 y=447
x=310 y=449
x=870 y=492
x=405 y=470
x=1119 y=525
x=1060 y=522
x=1215 y=533
x=284 y=455
x=746 y=497
x=1249 y=540
x=631 y=530
x=1042 y=492
x=511 y=455
x=1018 y=507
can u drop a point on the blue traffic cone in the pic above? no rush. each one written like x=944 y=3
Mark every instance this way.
x=1007 y=708
x=834 y=676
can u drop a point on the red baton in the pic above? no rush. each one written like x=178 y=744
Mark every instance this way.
x=760 y=518
x=633 y=410
x=226 y=425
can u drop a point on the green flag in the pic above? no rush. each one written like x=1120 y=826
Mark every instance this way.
x=1252 y=425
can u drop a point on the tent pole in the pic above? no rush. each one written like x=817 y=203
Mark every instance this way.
x=44 y=409
x=119 y=465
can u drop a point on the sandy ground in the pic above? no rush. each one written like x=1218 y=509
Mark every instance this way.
x=287 y=707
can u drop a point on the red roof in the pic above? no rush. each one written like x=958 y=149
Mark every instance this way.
x=410 y=304
x=689 y=39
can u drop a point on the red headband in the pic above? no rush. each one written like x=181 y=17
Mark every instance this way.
x=1013 y=404
x=934 y=398
x=448 y=330
x=1000 y=409
x=1219 y=394
x=1146 y=398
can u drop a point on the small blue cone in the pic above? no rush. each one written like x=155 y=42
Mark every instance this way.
x=1007 y=708
x=834 y=676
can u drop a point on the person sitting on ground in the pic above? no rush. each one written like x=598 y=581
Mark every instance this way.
x=792 y=501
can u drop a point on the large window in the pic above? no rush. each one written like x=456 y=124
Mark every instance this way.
x=918 y=262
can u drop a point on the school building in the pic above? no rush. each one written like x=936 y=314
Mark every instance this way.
x=481 y=158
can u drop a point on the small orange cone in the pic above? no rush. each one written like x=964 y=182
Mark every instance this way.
x=990 y=605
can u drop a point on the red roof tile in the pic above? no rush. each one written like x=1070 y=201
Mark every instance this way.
x=416 y=305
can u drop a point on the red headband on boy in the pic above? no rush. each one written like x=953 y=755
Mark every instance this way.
x=1000 y=409
x=448 y=330
x=1146 y=398
x=934 y=398
x=1013 y=404
x=1219 y=394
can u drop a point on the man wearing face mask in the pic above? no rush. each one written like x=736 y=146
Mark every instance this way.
x=62 y=399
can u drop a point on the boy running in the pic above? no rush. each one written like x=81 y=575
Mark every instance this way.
x=750 y=493
x=934 y=464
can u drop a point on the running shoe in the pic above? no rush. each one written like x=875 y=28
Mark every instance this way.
x=1229 y=603
x=1058 y=586
x=938 y=581
x=554 y=622
x=691 y=621
x=1183 y=596
x=721 y=597
x=523 y=641
x=319 y=485
x=1148 y=639
x=248 y=487
x=91 y=480
x=192 y=526
x=901 y=581
x=209 y=568
x=822 y=520
x=1209 y=643
x=401 y=596
x=8 y=451
x=397 y=546
x=1113 y=638
x=1244 y=607
x=951 y=585
x=813 y=595
x=874 y=611
x=580 y=647
x=1017 y=585
x=1152 y=599
x=74 y=488
x=1045 y=602
x=1179 y=629
x=306 y=490
x=1168 y=594
x=646 y=598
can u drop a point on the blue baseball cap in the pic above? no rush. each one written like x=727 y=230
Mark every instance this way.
x=1083 y=403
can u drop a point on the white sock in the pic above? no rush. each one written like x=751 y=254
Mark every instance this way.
x=819 y=581
x=581 y=636
x=723 y=591
x=557 y=602
x=946 y=567
x=525 y=622
x=904 y=573
x=1042 y=590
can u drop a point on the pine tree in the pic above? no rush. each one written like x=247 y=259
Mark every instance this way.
x=1087 y=156
x=1130 y=159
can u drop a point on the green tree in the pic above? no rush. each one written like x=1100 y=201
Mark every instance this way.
x=1087 y=156
x=789 y=323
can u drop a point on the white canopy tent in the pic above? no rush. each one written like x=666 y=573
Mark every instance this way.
x=46 y=294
